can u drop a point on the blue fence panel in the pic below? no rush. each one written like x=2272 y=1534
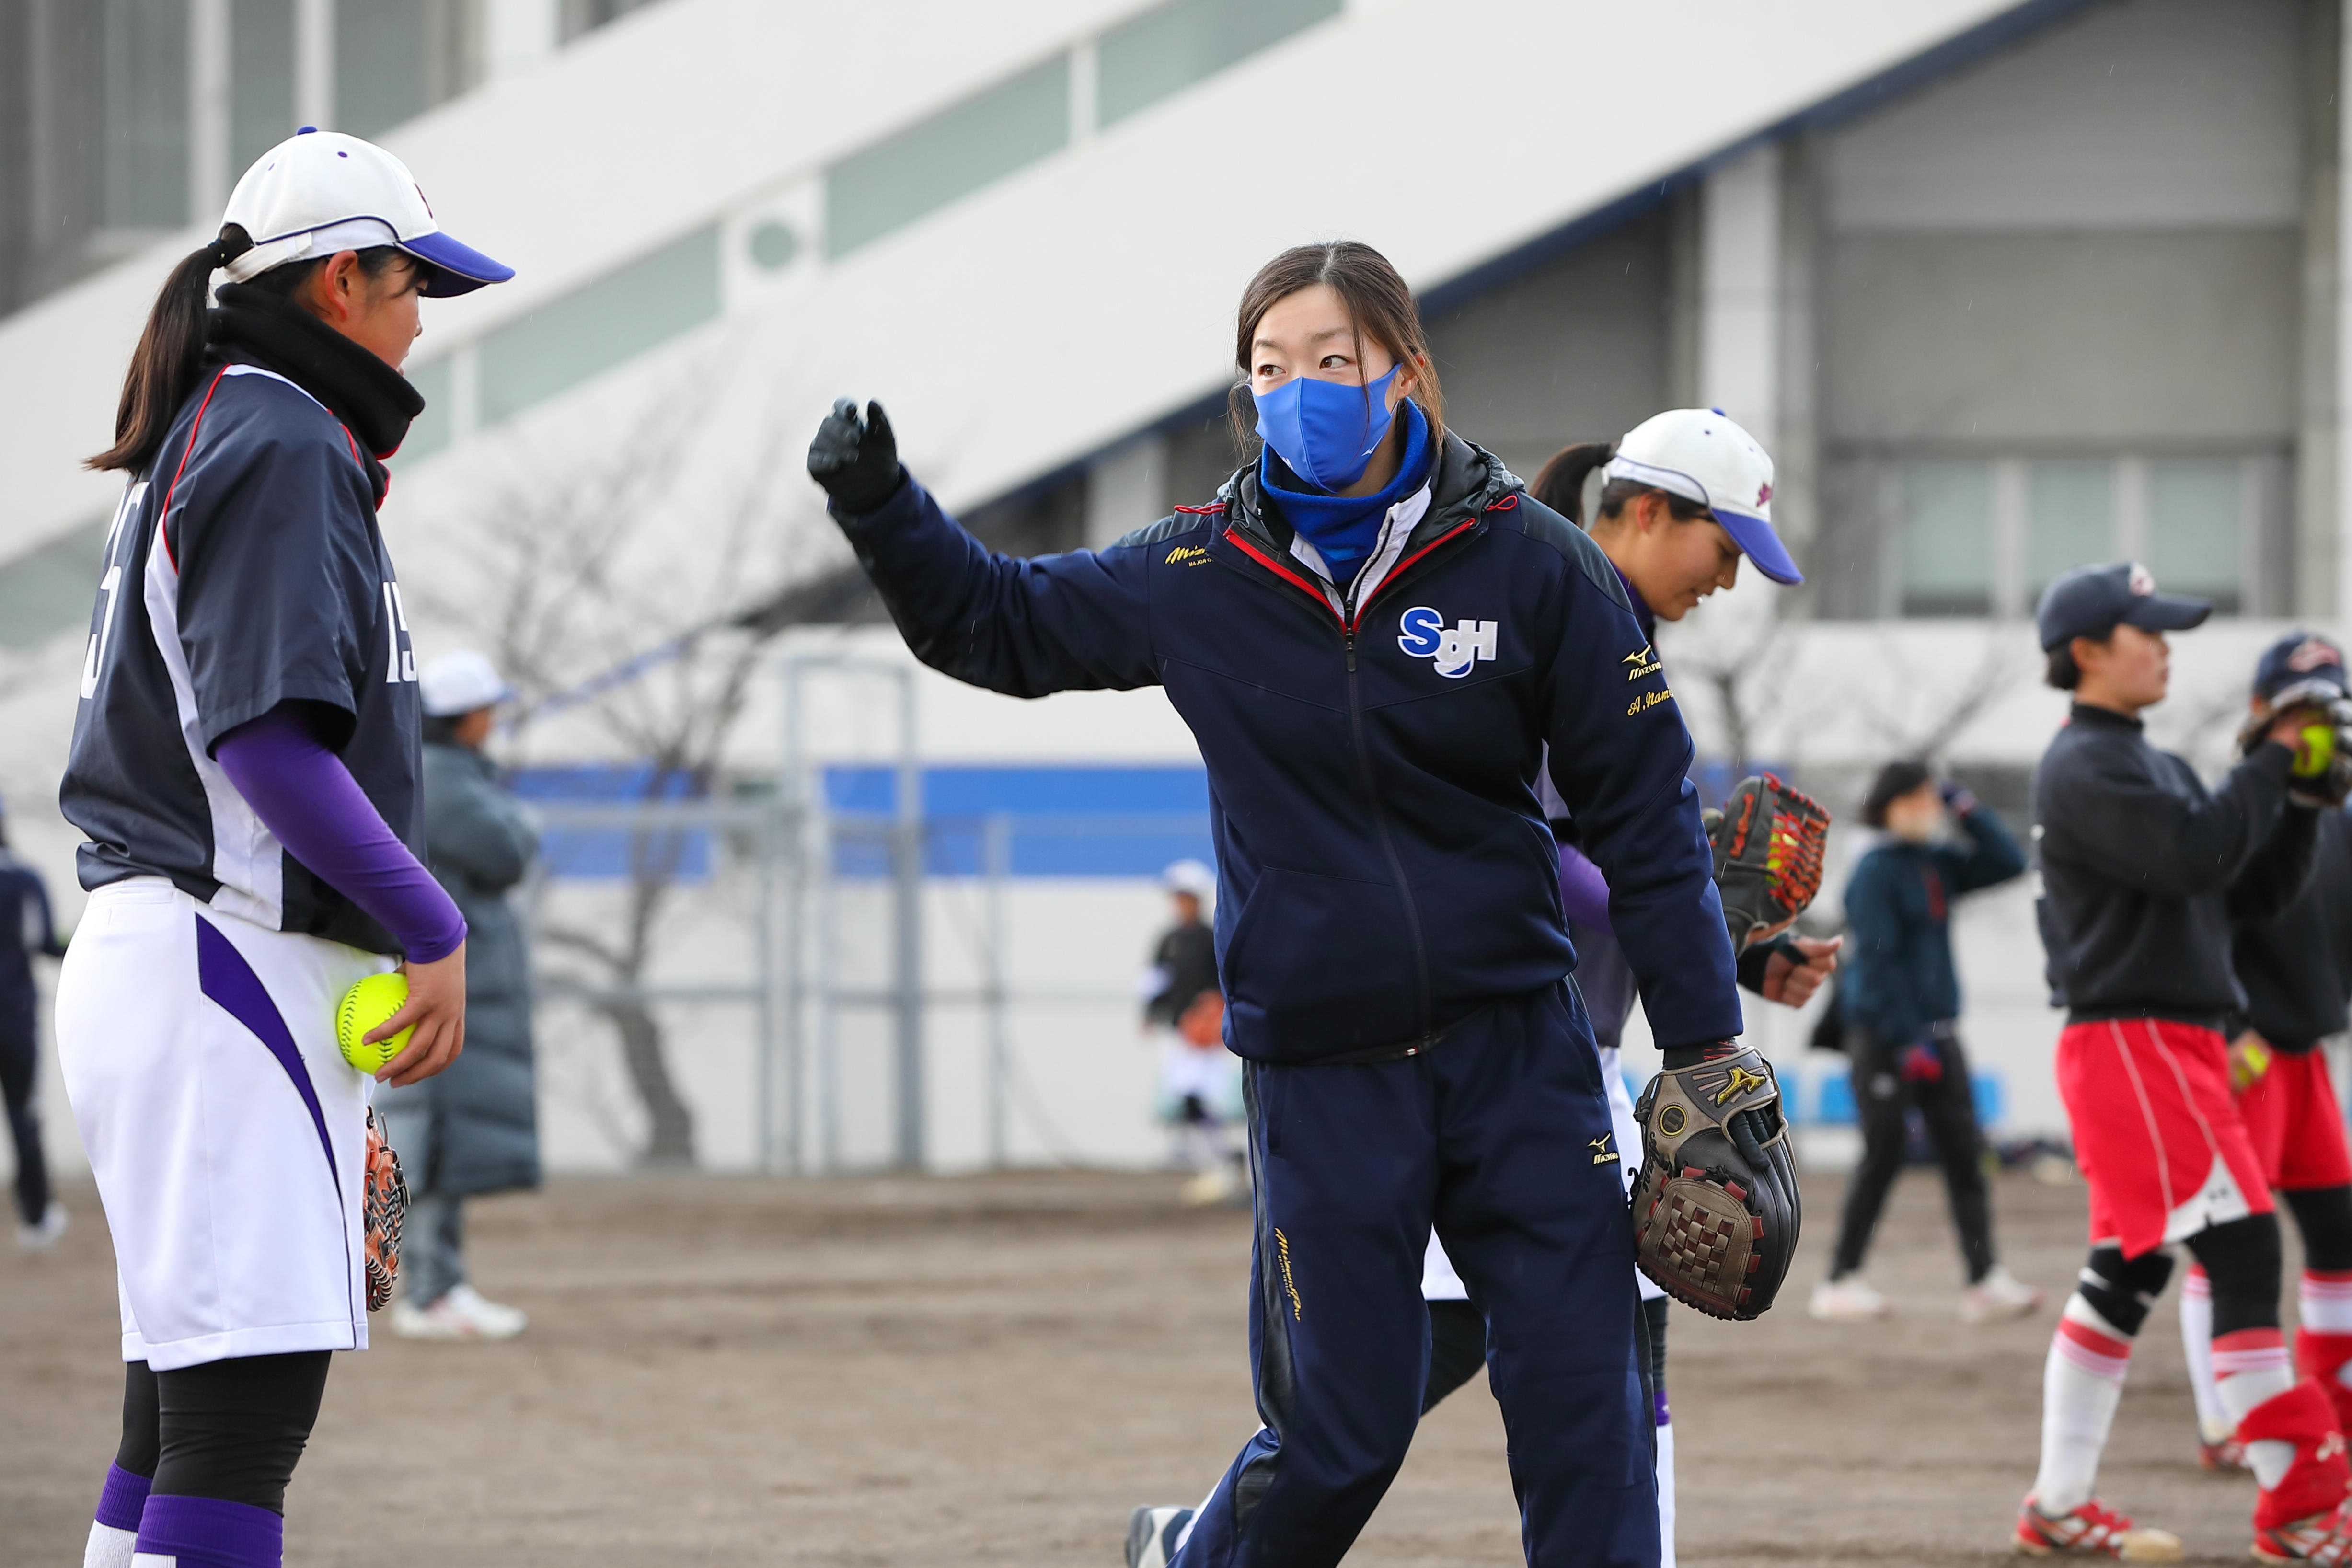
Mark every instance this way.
x=1067 y=821
x=611 y=852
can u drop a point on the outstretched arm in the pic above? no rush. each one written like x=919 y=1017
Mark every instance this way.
x=1057 y=623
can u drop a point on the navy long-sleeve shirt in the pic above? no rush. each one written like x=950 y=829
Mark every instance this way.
x=1897 y=972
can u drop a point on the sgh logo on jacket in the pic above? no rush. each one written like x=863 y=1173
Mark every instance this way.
x=1455 y=649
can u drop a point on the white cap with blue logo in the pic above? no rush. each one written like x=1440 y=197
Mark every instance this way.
x=1700 y=454
x=319 y=192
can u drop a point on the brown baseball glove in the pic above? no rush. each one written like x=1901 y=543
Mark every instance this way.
x=1767 y=842
x=1715 y=1211
x=383 y=1204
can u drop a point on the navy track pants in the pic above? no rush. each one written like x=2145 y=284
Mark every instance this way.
x=1500 y=1136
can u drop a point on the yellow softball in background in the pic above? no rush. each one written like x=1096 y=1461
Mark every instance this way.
x=363 y=1006
x=2317 y=751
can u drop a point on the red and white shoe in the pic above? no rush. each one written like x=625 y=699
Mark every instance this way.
x=2220 y=1457
x=2323 y=1538
x=2093 y=1530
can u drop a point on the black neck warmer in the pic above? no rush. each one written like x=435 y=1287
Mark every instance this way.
x=374 y=401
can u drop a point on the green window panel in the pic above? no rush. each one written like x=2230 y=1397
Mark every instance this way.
x=433 y=429
x=1166 y=50
x=52 y=588
x=1947 y=558
x=616 y=317
x=924 y=167
x=2071 y=520
x=382 y=55
x=2195 y=511
x=261 y=78
x=143 y=74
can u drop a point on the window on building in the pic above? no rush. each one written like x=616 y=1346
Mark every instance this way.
x=396 y=59
x=1979 y=536
x=1168 y=50
x=616 y=317
x=142 y=49
x=2070 y=519
x=261 y=80
x=2196 y=525
x=435 y=381
x=930 y=164
x=1947 y=539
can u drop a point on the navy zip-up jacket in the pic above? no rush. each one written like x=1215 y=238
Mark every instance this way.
x=2297 y=967
x=1384 y=868
x=1898 y=974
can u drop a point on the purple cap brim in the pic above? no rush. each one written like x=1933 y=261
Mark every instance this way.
x=1760 y=544
x=457 y=269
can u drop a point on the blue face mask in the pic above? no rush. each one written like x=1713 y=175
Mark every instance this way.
x=1318 y=426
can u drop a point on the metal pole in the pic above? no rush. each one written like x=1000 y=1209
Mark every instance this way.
x=997 y=860
x=908 y=867
x=793 y=790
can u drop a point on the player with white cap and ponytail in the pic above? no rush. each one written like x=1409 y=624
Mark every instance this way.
x=244 y=766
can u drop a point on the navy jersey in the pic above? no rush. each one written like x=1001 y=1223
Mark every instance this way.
x=244 y=569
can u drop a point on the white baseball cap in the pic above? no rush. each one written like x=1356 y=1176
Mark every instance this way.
x=1701 y=455
x=457 y=683
x=319 y=192
x=1190 y=876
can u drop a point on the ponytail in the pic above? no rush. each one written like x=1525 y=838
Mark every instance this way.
x=165 y=364
x=1561 y=486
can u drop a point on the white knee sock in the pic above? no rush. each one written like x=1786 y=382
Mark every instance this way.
x=1666 y=1494
x=2251 y=1366
x=2082 y=1383
x=108 y=1547
x=2214 y=1422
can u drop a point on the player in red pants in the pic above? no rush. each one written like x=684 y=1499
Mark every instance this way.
x=2296 y=971
x=2144 y=873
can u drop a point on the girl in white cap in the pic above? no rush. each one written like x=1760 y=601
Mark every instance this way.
x=244 y=766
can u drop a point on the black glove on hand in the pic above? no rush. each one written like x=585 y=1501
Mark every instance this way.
x=857 y=463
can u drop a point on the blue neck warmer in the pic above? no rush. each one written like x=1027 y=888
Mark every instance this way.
x=1344 y=529
x=1641 y=610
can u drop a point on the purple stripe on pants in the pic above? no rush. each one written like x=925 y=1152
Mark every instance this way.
x=223 y=975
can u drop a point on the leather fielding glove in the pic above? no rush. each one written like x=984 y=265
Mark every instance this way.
x=1716 y=1209
x=857 y=460
x=1767 y=842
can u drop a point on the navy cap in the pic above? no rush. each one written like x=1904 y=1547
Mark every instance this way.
x=2300 y=667
x=2091 y=601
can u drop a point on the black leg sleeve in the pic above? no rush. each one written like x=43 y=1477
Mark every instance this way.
x=1457 y=1348
x=140 y=1441
x=2243 y=1260
x=234 y=1430
x=1879 y=1103
x=1949 y=1108
x=2324 y=1216
x=20 y=1060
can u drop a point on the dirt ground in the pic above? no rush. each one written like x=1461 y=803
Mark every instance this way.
x=994 y=1370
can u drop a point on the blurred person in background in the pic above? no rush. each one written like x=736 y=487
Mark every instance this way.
x=25 y=930
x=2296 y=969
x=1187 y=1011
x=1901 y=1006
x=474 y=1130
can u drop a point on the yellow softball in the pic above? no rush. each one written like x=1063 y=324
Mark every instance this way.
x=364 y=1006
x=2318 y=750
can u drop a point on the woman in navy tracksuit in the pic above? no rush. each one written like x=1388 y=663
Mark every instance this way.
x=1374 y=632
